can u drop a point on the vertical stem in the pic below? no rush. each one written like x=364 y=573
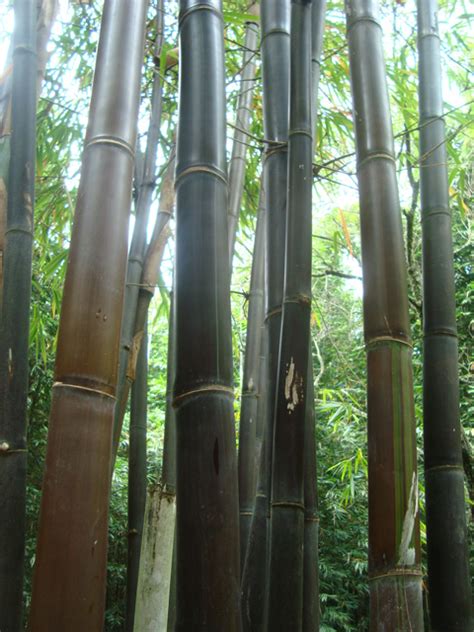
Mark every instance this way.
x=394 y=541
x=449 y=586
x=15 y=316
x=285 y=606
x=137 y=478
x=70 y=573
x=207 y=496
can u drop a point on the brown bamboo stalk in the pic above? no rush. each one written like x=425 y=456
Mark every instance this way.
x=69 y=580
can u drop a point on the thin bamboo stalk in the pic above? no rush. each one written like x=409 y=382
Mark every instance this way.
x=394 y=541
x=138 y=245
x=251 y=392
x=449 y=586
x=275 y=51
x=69 y=580
x=207 y=510
x=285 y=605
x=137 y=478
x=242 y=125
x=14 y=326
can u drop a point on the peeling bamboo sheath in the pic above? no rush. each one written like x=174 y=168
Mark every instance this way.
x=208 y=548
x=14 y=321
x=69 y=581
x=394 y=545
x=449 y=586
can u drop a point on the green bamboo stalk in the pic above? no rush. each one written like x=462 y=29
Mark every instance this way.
x=251 y=392
x=242 y=125
x=138 y=245
x=137 y=478
x=69 y=580
x=285 y=605
x=449 y=586
x=275 y=52
x=394 y=541
x=14 y=326
x=207 y=496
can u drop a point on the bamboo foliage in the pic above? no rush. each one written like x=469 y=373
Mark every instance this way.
x=69 y=580
x=285 y=606
x=14 y=326
x=394 y=544
x=208 y=548
x=275 y=53
x=449 y=587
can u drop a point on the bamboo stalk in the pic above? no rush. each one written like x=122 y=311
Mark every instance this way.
x=251 y=388
x=285 y=606
x=242 y=125
x=138 y=245
x=207 y=510
x=275 y=51
x=137 y=479
x=394 y=541
x=14 y=332
x=69 y=580
x=449 y=586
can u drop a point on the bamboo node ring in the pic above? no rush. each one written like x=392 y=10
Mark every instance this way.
x=363 y=18
x=288 y=505
x=300 y=299
x=205 y=388
x=273 y=312
x=397 y=572
x=88 y=389
x=300 y=132
x=6 y=449
x=200 y=169
x=199 y=7
x=444 y=467
x=373 y=156
x=110 y=140
x=381 y=339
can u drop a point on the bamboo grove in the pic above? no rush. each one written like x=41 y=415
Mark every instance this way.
x=205 y=167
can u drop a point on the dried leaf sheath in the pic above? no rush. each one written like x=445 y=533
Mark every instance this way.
x=394 y=546
x=14 y=333
x=69 y=582
x=449 y=586
x=207 y=497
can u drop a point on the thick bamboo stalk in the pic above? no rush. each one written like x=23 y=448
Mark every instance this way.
x=137 y=479
x=242 y=125
x=449 y=586
x=317 y=34
x=153 y=594
x=69 y=581
x=275 y=52
x=394 y=542
x=138 y=245
x=285 y=606
x=251 y=392
x=14 y=326
x=207 y=495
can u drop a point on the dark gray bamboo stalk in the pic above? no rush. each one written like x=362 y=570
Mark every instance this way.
x=285 y=605
x=394 y=541
x=251 y=392
x=69 y=580
x=311 y=524
x=136 y=255
x=14 y=326
x=449 y=586
x=311 y=515
x=137 y=478
x=207 y=497
x=242 y=125
x=275 y=52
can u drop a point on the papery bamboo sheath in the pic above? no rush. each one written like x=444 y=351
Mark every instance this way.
x=207 y=510
x=69 y=581
x=14 y=325
x=394 y=541
x=449 y=585
x=285 y=606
